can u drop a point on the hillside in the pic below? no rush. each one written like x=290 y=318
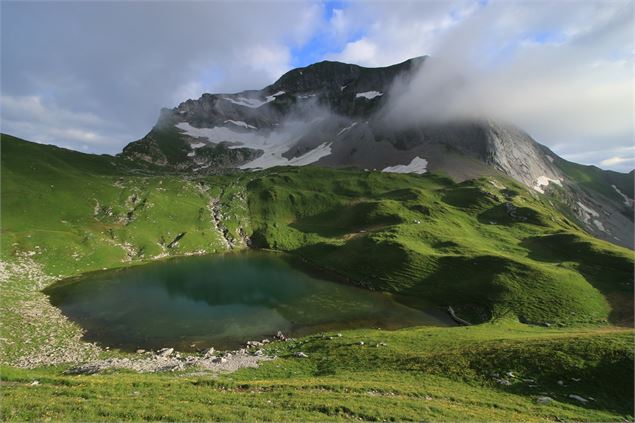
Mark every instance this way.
x=416 y=235
x=498 y=253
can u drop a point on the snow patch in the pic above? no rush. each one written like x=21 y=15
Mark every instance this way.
x=588 y=216
x=346 y=129
x=273 y=144
x=544 y=181
x=369 y=95
x=197 y=144
x=252 y=103
x=220 y=134
x=588 y=210
x=551 y=159
x=272 y=97
x=628 y=202
x=274 y=157
x=191 y=154
x=240 y=123
x=599 y=225
x=417 y=165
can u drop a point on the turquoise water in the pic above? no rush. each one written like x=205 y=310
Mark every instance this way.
x=222 y=301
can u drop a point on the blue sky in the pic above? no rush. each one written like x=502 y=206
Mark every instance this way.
x=93 y=76
x=322 y=43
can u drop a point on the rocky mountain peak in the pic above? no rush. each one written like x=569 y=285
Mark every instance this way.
x=341 y=77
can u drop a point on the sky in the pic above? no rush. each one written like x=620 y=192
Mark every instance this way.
x=93 y=76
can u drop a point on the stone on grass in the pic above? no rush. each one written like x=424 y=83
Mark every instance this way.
x=544 y=400
x=165 y=352
x=578 y=398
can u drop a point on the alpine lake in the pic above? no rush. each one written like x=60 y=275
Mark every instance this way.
x=223 y=301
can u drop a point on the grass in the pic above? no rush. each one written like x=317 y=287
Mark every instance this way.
x=496 y=252
x=421 y=374
x=429 y=239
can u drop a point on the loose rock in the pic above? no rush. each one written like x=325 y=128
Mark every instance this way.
x=165 y=352
x=544 y=400
x=578 y=398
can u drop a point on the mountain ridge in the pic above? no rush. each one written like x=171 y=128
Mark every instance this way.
x=330 y=114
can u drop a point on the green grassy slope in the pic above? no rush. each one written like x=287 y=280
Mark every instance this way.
x=491 y=249
x=419 y=374
x=58 y=203
x=487 y=247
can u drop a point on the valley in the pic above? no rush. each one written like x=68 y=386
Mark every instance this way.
x=551 y=306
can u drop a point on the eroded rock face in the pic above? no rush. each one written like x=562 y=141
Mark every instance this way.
x=331 y=114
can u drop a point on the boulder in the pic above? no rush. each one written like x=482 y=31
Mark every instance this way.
x=543 y=400
x=578 y=398
x=165 y=352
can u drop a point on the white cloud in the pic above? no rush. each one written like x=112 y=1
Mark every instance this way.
x=618 y=160
x=272 y=60
x=362 y=51
x=395 y=31
x=562 y=71
x=30 y=108
x=68 y=56
x=340 y=23
x=29 y=117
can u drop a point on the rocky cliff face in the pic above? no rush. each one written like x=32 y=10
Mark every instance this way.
x=329 y=114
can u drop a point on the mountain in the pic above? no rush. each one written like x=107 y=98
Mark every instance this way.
x=330 y=114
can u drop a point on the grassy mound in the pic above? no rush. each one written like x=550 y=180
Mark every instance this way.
x=475 y=246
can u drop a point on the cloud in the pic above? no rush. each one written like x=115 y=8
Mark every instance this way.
x=617 y=160
x=361 y=51
x=123 y=61
x=32 y=119
x=395 y=31
x=562 y=71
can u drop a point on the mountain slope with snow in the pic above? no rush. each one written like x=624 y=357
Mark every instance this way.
x=330 y=114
